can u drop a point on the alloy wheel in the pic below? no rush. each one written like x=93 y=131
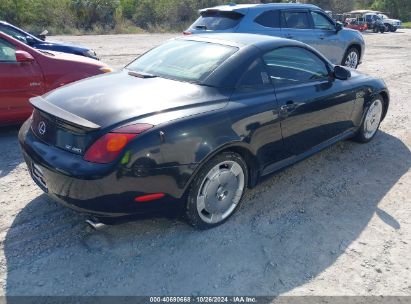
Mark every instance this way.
x=352 y=60
x=373 y=119
x=220 y=192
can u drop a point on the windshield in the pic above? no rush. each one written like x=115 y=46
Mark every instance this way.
x=186 y=60
x=17 y=34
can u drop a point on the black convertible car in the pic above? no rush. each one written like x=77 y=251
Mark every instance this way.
x=193 y=123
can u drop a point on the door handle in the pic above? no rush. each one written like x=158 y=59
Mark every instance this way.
x=288 y=107
x=289 y=36
x=322 y=37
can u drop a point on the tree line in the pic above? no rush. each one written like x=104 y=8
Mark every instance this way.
x=122 y=16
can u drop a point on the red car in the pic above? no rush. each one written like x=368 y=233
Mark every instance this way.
x=356 y=24
x=26 y=72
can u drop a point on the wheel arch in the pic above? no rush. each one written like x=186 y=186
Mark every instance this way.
x=240 y=148
x=386 y=100
x=358 y=47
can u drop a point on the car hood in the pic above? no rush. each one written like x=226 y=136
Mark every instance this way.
x=118 y=97
x=367 y=80
x=357 y=74
x=71 y=57
x=51 y=44
x=391 y=20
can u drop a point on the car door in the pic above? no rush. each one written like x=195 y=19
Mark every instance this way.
x=314 y=107
x=368 y=19
x=257 y=120
x=327 y=39
x=296 y=24
x=19 y=81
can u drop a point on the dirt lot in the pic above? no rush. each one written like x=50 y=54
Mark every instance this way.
x=338 y=223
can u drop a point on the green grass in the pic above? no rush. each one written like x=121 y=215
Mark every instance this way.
x=406 y=24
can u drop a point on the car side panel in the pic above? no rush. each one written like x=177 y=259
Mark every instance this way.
x=18 y=83
x=249 y=121
x=322 y=111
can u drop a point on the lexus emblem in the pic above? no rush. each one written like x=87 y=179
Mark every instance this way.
x=42 y=128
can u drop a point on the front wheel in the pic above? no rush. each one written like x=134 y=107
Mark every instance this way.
x=216 y=191
x=393 y=29
x=371 y=122
x=351 y=58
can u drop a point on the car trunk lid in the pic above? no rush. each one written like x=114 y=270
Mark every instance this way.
x=75 y=115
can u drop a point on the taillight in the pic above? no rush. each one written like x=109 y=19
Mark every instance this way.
x=187 y=33
x=108 y=147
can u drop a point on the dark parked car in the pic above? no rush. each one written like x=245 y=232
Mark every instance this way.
x=375 y=23
x=194 y=123
x=40 y=44
x=303 y=22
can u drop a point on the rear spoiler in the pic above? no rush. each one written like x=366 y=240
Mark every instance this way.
x=43 y=105
x=240 y=11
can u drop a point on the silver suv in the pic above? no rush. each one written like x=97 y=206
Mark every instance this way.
x=303 y=22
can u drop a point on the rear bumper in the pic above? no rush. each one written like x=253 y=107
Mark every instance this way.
x=100 y=190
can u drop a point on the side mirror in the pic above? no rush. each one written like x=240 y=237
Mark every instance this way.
x=43 y=35
x=341 y=73
x=22 y=56
x=338 y=26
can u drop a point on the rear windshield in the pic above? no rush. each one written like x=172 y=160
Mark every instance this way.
x=185 y=60
x=217 y=20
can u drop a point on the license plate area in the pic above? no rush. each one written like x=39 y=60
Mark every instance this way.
x=38 y=177
x=57 y=133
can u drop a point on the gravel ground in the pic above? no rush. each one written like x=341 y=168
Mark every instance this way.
x=337 y=223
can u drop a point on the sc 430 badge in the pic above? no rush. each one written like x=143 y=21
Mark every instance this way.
x=73 y=149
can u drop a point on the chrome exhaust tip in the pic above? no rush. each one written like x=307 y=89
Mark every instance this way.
x=95 y=224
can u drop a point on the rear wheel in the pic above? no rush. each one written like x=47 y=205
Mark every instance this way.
x=216 y=191
x=351 y=58
x=371 y=122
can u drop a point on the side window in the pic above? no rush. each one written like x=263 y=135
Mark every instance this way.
x=298 y=20
x=321 y=22
x=255 y=76
x=7 y=52
x=269 y=19
x=292 y=65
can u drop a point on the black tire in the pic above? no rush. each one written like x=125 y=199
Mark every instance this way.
x=375 y=29
x=382 y=29
x=393 y=29
x=389 y=27
x=347 y=54
x=361 y=136
x=191 y=212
